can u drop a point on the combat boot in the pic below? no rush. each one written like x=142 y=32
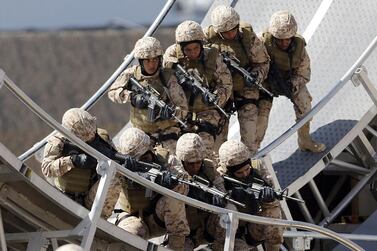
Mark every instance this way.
x=176 y=242
x=305 y=141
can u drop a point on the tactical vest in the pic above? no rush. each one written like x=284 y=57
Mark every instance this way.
x=206 y=68
x=79 y=180
x=240 y=48
x=132 y=198
x=282 y=58
x=139 y=117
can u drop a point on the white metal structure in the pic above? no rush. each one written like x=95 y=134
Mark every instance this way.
x=85 y=226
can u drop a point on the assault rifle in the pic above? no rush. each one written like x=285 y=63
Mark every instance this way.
x=195 y=82
x=234 y=64
x=197 y=182
x=278 y=84
x=255 y=188
x=152 y=96
x=106 y=149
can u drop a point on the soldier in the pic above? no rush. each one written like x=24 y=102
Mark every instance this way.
x=145 y=214
x=204 y=226
x=288 y=76
x=75 y=173
x=149 y=73
x=206 y=62
x=230 y=35
x=235 y=163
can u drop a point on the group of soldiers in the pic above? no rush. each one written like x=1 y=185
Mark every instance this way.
x=181 y=101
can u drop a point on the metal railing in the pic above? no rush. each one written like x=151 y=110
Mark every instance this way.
x=101 y=91
x=274 y=144
x=107 y=168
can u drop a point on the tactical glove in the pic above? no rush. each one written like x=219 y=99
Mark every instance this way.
x=166 y=113
x=83 y=161
x=130 y=163
x=250 y=82
x=217 y=200
x=239 y=194
x=266 y=194
x=166 y=180
x=138 y=100
x=208 y=98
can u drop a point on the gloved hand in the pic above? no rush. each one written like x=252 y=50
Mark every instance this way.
x=208 y=98
x=217 y=200
x=239 y=194
x=166 y=180
x=138 y=100
x=266 y=194
x=166 y=113
x=250 y=82
x=83 y=161
x=130 y=163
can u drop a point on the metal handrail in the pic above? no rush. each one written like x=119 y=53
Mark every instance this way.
x=320 y=104
x=101 y=91
x=164 y=191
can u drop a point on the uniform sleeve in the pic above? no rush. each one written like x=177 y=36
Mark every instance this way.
x=301 y=75
x=176 y=168
x=176 y=94
x=170 y=57
x=53 y=163
x=118 y=92
x=259 y=58
x=223 y=81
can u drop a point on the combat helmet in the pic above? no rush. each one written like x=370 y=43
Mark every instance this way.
x=148 y=47
x=80 y=123
x=188 y=31
x=190 y=148
x=134 y=142
x=224 y=18
x=283 y=25
x=233 y=155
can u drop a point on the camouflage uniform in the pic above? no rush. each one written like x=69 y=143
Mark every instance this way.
x=78 y=183
x=153 y=215
x=234 y=156
x=204 y=226
x=292 y=66
x=203 y=119
x=163 y=131
x=252 y=54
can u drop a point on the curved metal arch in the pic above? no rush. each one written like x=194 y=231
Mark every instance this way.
x=101 y=91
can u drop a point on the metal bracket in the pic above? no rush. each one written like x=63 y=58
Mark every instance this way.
x=360 y=76
x=230 y=222
x=302 y=243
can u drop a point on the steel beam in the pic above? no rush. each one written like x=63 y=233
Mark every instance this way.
x=350 y=166
x=317 y=195
x=304 y=209
x=2 y=234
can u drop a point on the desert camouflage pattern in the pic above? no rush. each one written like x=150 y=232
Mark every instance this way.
x=254 y=56
x=224 y=18
x=223 y=90
x=283 y=25
x=148 y=47
x=233 y=152
x=301 y=97
x=190 y=148
x=80 y=123
x=134 y=142
x=111 y=198
x=188 y=31
x=56 y=165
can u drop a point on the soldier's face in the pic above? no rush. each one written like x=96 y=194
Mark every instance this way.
x=151 y=65
x=243 y=172
x=193 y=168
x=192 y=51
x=230 y=35
x=283 y=44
